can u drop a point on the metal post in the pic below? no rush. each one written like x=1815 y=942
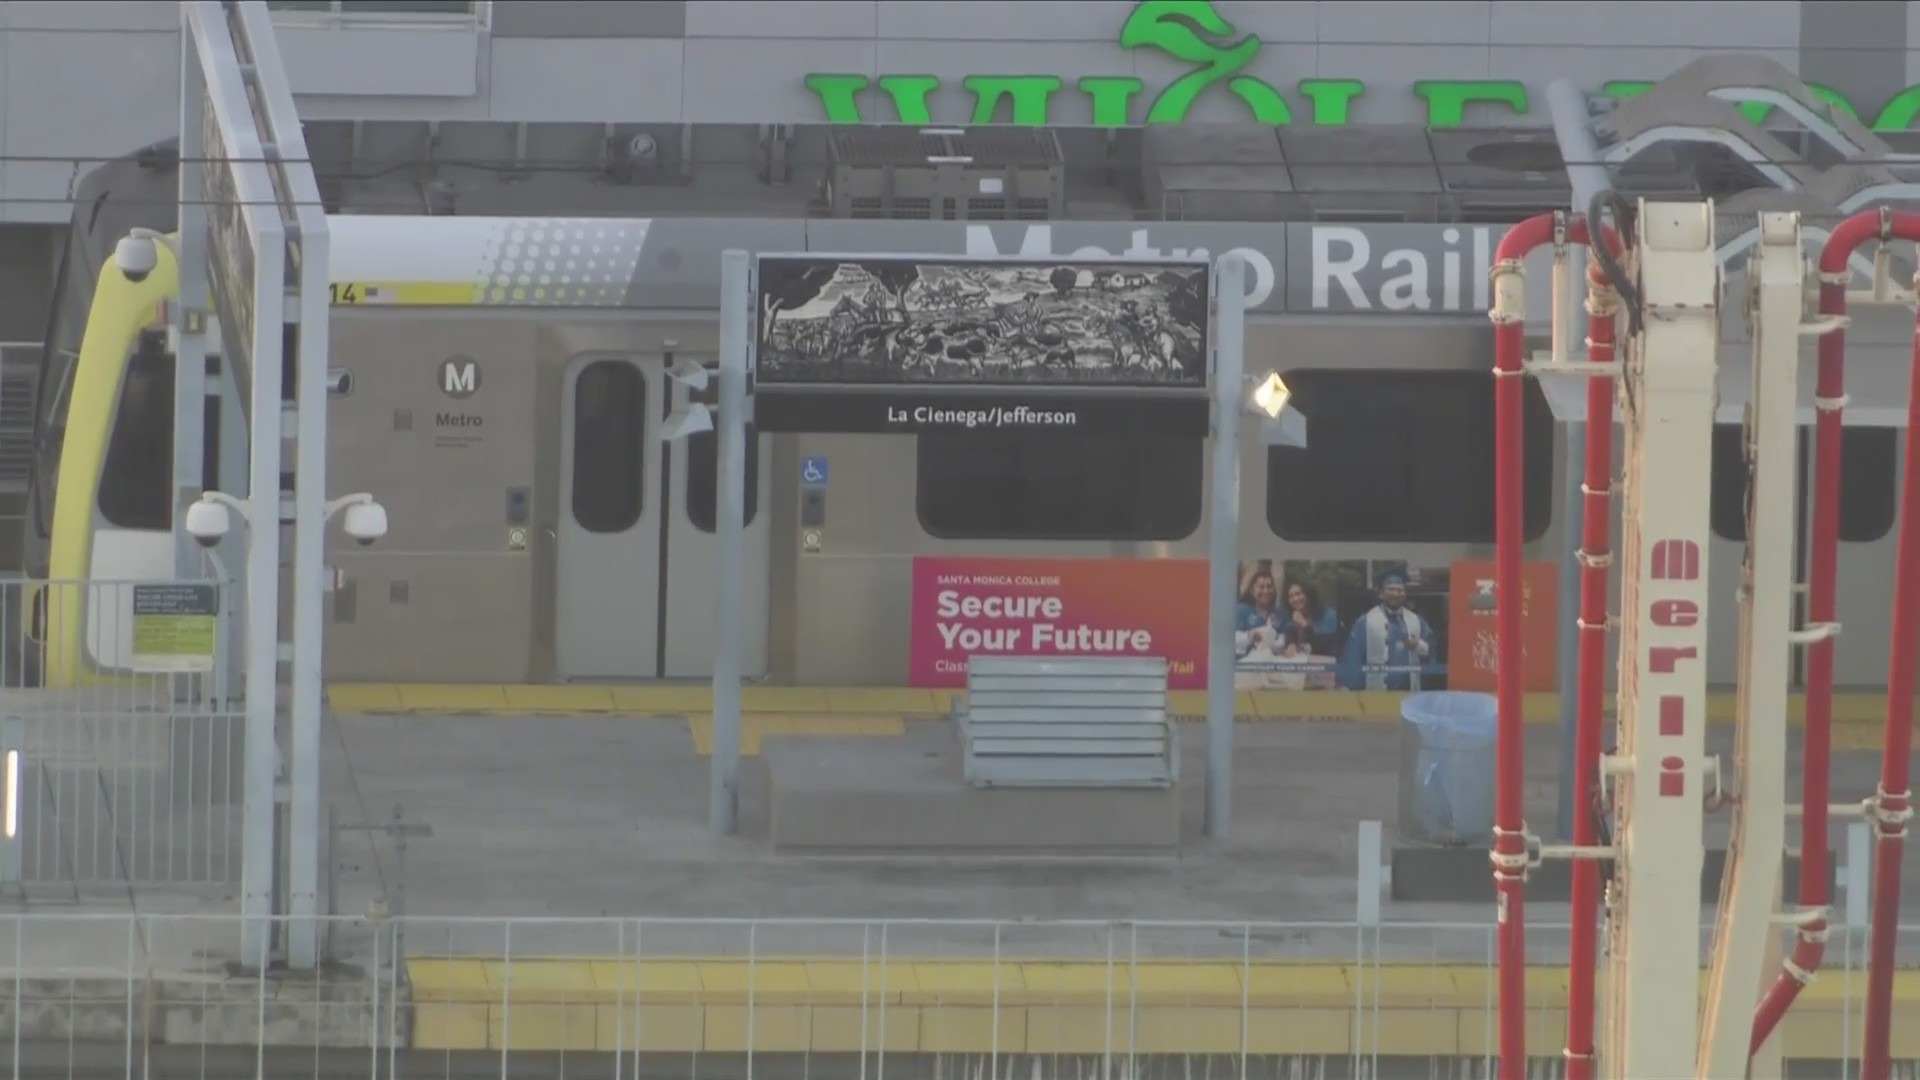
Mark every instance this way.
x=263 y=610
x=1588 y=177
x=231 y=552
x=309 y=603
x=271 y=112
x=1859 y=871
x=1371 y=849
x=730 y=497
x=1223 y=536
x=190 y=314
x=1573 y=514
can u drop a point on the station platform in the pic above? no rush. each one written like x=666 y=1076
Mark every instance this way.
x=549 y=853
x=947 y=1006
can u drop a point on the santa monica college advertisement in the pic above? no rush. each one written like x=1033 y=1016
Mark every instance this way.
x=1351 y=624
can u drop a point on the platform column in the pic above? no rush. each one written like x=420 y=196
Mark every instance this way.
x=1667 y=404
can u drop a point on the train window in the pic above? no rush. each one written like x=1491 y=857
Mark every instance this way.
x=703 y=477
x=609 y=445
x=1869 y=458
x=65 y=326
x=1055 y=485
x=210 y=445
x=1395 y=455
x=136 y=482
x=50 y=434
x=1727 y=498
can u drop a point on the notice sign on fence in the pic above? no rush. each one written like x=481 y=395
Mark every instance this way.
x=174 y=627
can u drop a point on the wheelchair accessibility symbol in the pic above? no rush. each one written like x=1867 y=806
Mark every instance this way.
x=813 y=471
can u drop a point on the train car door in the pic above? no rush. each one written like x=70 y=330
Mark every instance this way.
x=636 y=571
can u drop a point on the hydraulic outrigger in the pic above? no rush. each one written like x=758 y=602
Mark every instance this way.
x=1653 y=300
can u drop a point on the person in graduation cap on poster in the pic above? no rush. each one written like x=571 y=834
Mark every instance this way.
x=1389 y=644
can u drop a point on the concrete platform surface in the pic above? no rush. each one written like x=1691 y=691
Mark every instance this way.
x=587 y=817
x=909 y=795
x=565 y=849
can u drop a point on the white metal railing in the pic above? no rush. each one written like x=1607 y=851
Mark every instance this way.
x=121 y=763
x=1027 y=998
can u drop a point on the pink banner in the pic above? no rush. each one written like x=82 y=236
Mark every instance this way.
x=1066 y=607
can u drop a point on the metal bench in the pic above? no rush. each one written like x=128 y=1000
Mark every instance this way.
x=1042 y=722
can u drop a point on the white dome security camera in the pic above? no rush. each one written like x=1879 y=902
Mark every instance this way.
x=208 y=522
x=366 y=522
x=137 y=257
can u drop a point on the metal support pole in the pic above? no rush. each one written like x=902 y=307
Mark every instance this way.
x=191 y=313
x=1371 y=850
x=268 y=214
x=1223 y=536
x=305 y=308
x=1859 y=871
x=1588 y=177
x=231 y=552
x=309 y=602
x=263 y=615
x=309 y=606
x=730 y=495
x=1572 y=517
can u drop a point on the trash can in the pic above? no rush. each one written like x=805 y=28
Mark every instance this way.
x=1447 y=767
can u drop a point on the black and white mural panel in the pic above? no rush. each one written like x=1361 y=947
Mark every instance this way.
x=893 y=337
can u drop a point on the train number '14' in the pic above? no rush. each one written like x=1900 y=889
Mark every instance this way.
x=343 y=292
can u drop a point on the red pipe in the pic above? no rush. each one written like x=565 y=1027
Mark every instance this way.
x=1891 y=805
x=1596 y=526
x=1509 y=855
x=1823 y=561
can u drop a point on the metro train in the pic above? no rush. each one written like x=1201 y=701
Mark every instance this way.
x=541 y=531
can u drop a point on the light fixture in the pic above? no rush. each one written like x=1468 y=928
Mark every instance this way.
x=692 y=417
x=685 y=421
x=1272 y=395
x=689 y=373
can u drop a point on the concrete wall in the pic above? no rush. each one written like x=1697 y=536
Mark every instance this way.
x=98 y=79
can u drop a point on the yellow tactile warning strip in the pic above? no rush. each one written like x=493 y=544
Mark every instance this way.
x=757 y=726
x=680 y=699
x=1073 y=1007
